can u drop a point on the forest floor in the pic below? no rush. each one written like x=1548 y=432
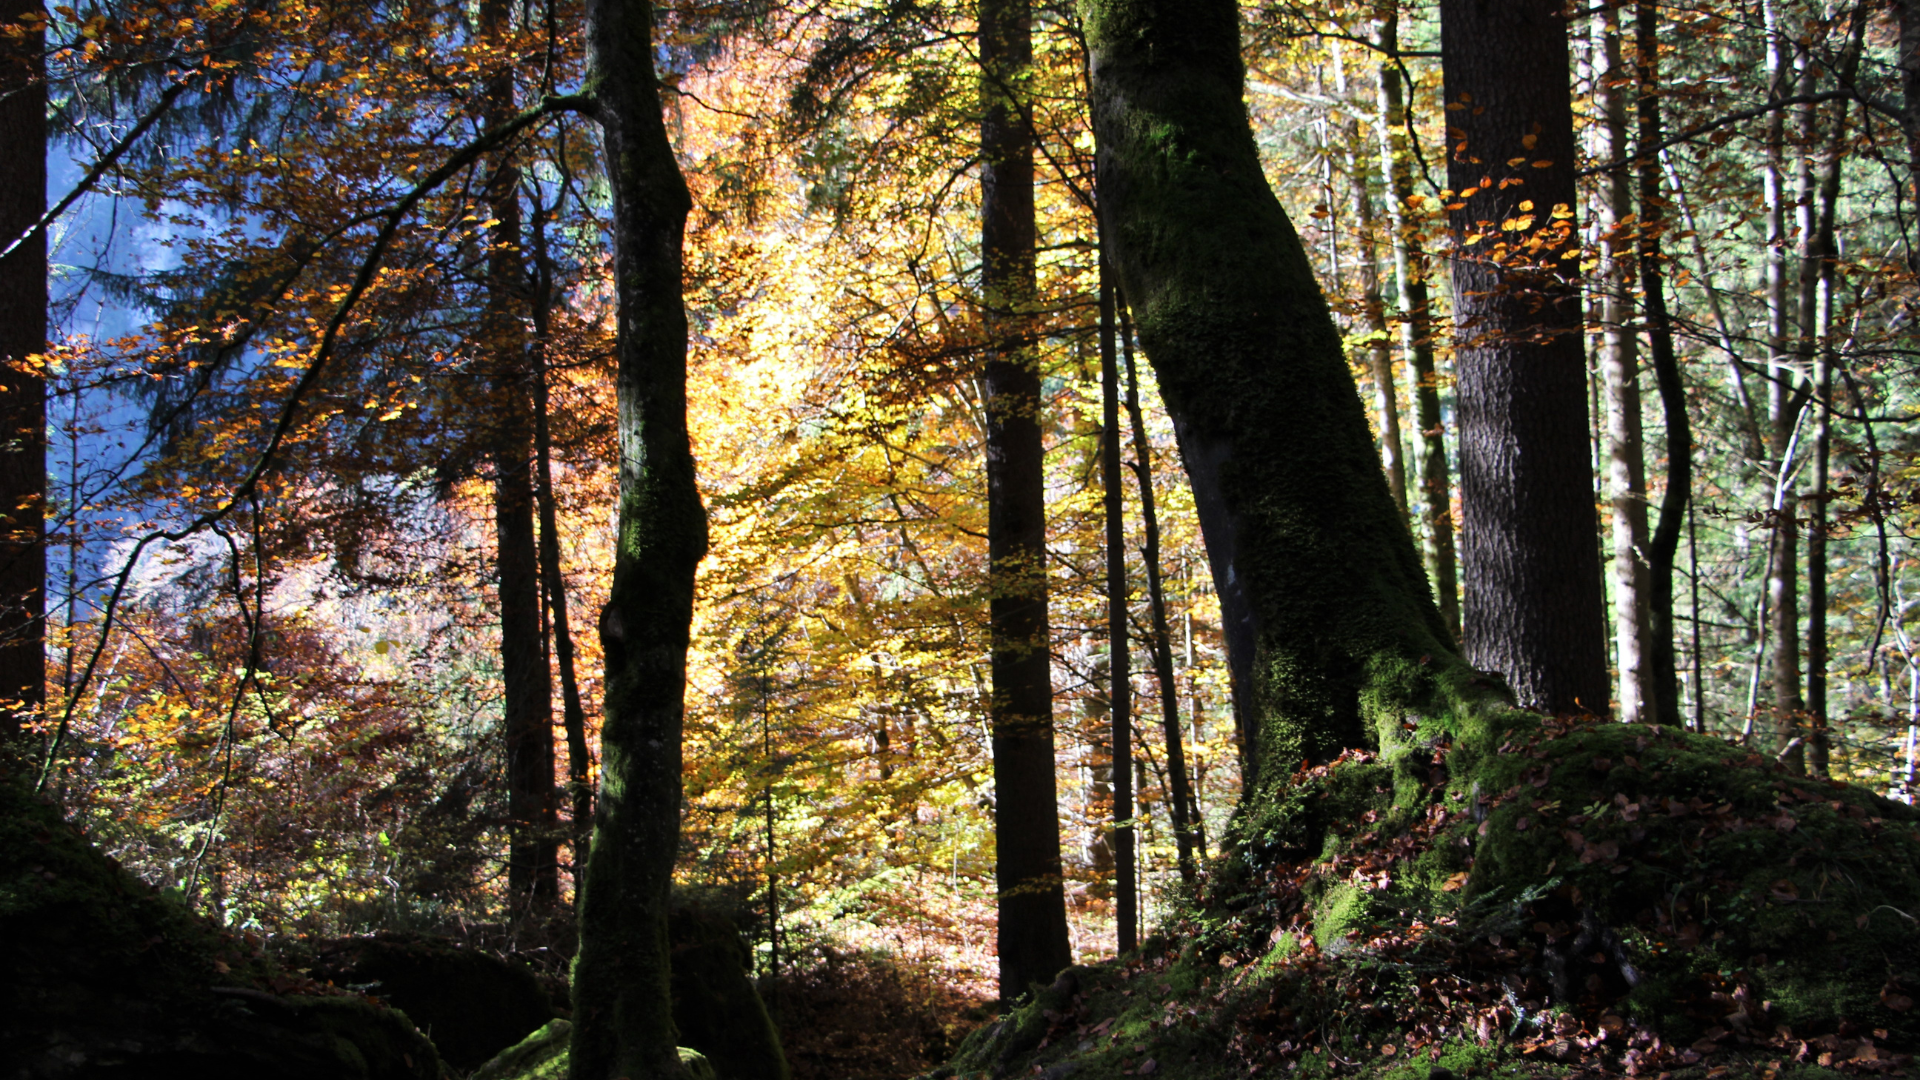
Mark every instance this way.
x=1544 y=898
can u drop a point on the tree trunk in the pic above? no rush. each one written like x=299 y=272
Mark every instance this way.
x=1373 y=307
x=1620 y=368
x=1816 y=316
x=573 y=713
x=622 y=1009
x=23 y=392
x=1411 y=266
x=1184 y=809
x=1032 y=903
x=1535 y=608
x=1785 y=398
x=1663 y=549
x=1119 y=660
x=527 y=700
x=1331 y=632
x=1907 y=12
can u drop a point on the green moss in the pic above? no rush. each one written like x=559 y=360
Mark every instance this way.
x=543 y=1056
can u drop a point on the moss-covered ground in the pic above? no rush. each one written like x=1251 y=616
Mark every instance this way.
x=1538 y=898
x=106 y=977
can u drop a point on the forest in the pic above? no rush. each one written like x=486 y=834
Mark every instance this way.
x=866 y=539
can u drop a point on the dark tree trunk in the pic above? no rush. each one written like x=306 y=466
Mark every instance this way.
x=1183 y=809
x=1907 y=12
x=527 y=702
x=1535 y=608
x=573 y=713
x=1119 y=644
x=1332 y=635
x=622 y=1008
x=1663 y=549
x=1817 y=274
x=1032 y=902
x=1411 y=267
x=23 y=393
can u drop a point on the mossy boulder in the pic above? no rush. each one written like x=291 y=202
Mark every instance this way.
x=472 y=1003
x=1511 y=894
x=1702 y=868
x=715 y=1006
x=106 y=977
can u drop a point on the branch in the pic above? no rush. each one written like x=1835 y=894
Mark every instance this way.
x=465 y=156
x=100 y=167
x=1733 y=118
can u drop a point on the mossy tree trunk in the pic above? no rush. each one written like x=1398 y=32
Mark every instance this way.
x=623 y=1019
x=1535 y=609
x=1331 y=631
x=23 y=393
x=1027 y=872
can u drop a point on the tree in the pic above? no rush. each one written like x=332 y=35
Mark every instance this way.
x=527 y=701
x=1535 y=608
x=1119 y=633
x=1332 y=635
x=1411 y=267
x=1032 y=904
x=1619 y=363
x=623 y=1019
x=23 y=334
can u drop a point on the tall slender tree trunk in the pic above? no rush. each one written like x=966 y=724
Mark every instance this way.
x=23 y=391
x=527 y=701
x=1619 y=363
x=1032 y=901
x=1816 y=316
x=572 y=711
x=1663 y=548
x=1785 y=398
x=1411 y=267
x=1184 y=810
x=1119 y=659
x=1535 y=609
x=1331 y=632
x=622 y=1007
x=1373 y=306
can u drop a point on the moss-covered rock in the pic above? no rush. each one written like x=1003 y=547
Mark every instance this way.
x=715 y=1007
x=472 y=1003
x=105 y=977
x=1516 y=895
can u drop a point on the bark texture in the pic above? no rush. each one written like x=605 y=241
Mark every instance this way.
x=622 y=1009
x=1534 y=603
x=23 y=393
x=1331 y=633
x=1032 y=901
